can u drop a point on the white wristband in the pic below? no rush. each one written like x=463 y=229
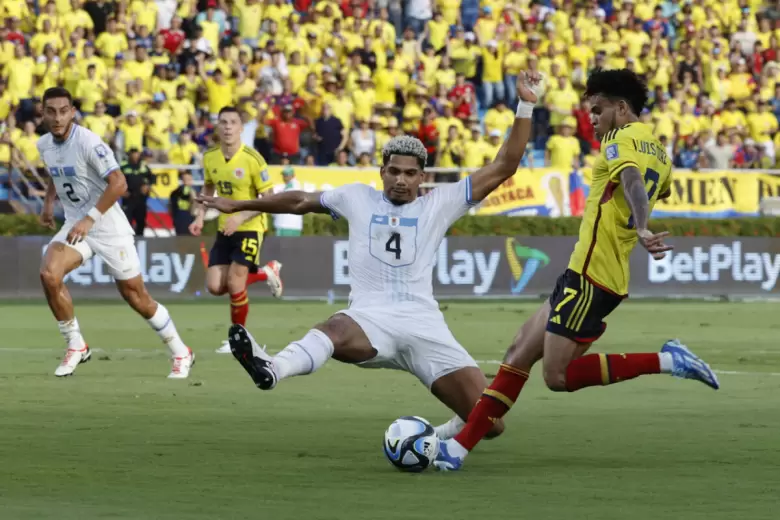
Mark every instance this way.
x=524 y=110
x=94 y=214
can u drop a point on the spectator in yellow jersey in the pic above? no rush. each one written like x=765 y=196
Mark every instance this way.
x=132 y=131
x=474 y=149
x=492 y=145
x=499 y=118
x=184 y=151
x=451 y=150
x=101 y=123
x=90 y=90
x=563 y=149
x=27 y=145
x=492 y=73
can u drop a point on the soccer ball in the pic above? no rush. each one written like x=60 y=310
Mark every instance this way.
x=411 y=444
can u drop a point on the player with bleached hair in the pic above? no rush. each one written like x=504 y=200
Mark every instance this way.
x=86 y=178
x=392 y=321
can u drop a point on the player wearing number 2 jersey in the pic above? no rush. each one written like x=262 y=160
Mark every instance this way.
x=235 y=171
x=631 y=173
x=87 y=179
x=393 y=320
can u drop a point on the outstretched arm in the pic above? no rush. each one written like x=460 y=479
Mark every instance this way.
x=295 y=202
x=530 y=87
x=636 y=197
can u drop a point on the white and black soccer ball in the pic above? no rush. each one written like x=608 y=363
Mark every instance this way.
x=411 y=444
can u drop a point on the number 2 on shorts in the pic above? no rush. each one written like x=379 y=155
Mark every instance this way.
x=570 y=294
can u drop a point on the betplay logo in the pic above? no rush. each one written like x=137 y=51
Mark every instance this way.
x=516 y=254
x=459 y=267
x=157 y=268
x=717 y=261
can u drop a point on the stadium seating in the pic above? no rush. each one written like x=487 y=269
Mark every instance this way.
x=145 y=72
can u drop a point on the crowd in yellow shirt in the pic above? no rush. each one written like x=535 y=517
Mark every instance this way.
x=147 y=78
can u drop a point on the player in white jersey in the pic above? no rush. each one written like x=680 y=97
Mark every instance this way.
x=392 y=321
x=87 y=179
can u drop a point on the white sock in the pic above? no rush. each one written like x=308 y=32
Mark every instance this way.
x=163 y=324
x=304 y=356
x=72 y=333
x=450 y=429
x=666 y=361
x=456 y=450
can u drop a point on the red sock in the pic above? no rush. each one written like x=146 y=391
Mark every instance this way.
x=239 y=308
x=605 y=369
x=259 y=276
x=496 y=401
x=204 y=255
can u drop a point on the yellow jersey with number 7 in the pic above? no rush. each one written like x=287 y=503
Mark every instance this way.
x=243 y=177
x=607 y=233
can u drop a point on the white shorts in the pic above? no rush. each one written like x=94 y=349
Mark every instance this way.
x=117 y=252
x=417 y=342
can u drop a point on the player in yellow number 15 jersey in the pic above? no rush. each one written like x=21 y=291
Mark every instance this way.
x=629 y=176
x=236 y=172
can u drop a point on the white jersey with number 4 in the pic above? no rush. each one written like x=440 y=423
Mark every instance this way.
x=393 y=248
x=78 y=167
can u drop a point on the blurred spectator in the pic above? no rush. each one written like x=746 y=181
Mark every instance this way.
x=139 y=184
x=563 y=149
x=180 y=204
x=719 y=154
x=330 y=135
x=289 y=225
x=149 y=75
x=286 y=135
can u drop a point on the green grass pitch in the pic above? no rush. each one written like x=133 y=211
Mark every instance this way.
x=120 y=441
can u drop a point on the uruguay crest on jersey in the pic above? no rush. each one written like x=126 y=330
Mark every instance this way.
x=394 y=221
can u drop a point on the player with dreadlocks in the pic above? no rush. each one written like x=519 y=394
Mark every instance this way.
x=631 y=174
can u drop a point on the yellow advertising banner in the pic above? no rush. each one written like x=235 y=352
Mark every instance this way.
x=718 y=194
x=323 y=179
x=541 y=191
x=551 y=192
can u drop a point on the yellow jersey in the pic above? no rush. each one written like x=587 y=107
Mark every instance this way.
x=243 y=177
x=607 y=233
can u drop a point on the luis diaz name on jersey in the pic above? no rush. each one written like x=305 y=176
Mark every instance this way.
x=171 y=269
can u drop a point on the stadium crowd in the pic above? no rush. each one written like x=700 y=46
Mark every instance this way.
x=328 y=83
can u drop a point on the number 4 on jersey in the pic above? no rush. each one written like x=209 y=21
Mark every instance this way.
x=393 y=245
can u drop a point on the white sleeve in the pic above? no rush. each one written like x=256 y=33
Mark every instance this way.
x=99 y=157
x=452 y=201
x=341 y=201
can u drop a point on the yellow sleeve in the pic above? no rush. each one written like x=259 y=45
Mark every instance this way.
x=261 y=179
x=619 y=152
x=206 y=169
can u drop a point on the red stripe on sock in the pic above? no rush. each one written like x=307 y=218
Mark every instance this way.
x=239 y=308
x=504 y=389
x=607 y=369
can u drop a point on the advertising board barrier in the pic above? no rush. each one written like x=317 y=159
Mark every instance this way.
x=466 y=267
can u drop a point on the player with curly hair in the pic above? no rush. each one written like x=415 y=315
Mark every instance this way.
x=392 y=321
x=631 y=174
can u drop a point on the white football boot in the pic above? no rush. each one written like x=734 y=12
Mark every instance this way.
x=272 y=270
x=73 y=357
x=225 y=348
x=182 y=366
